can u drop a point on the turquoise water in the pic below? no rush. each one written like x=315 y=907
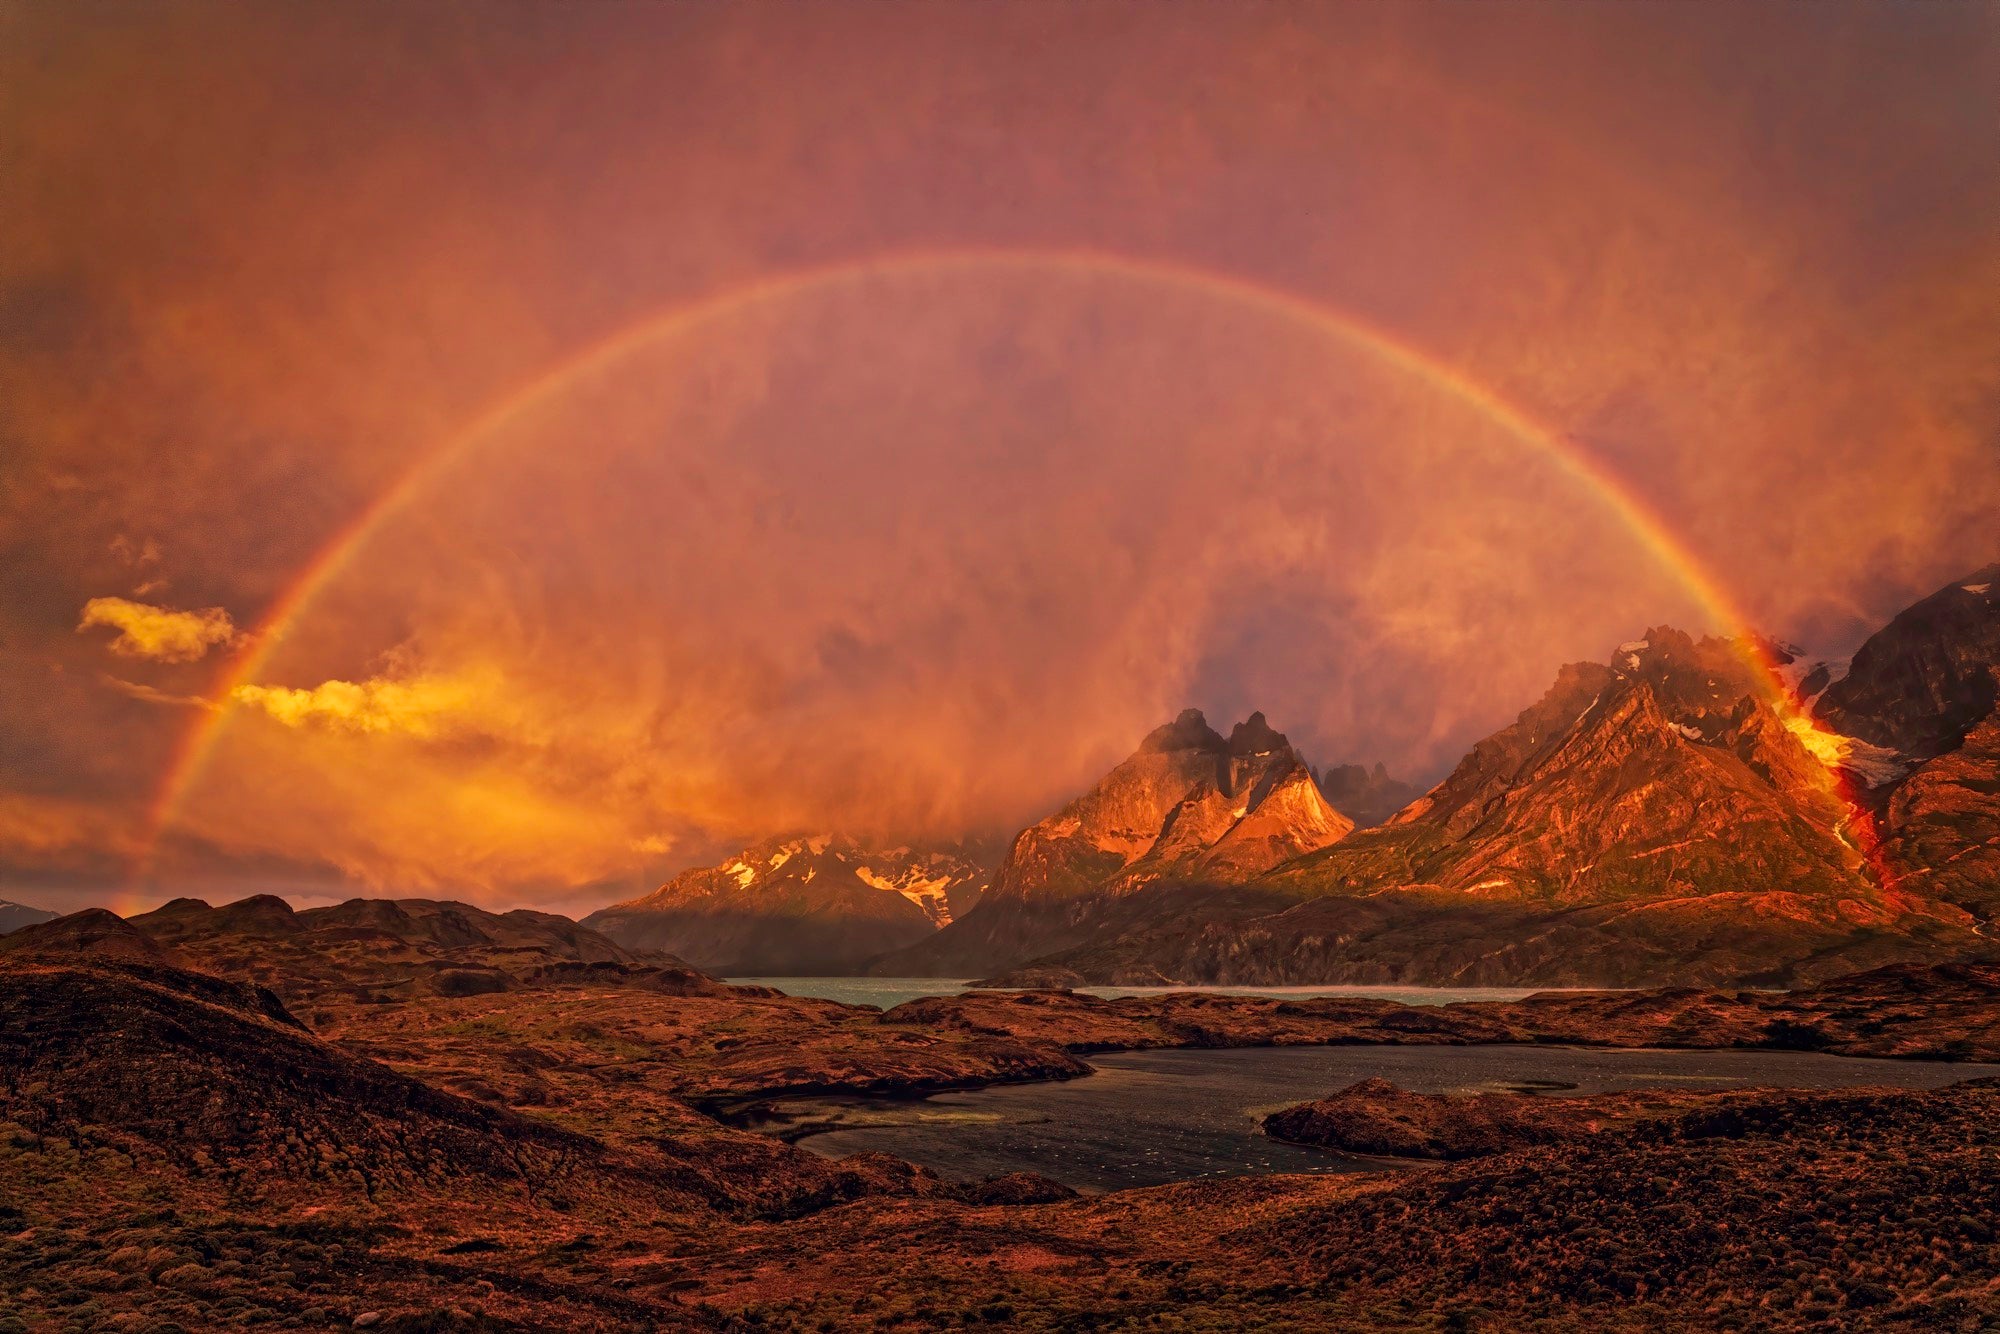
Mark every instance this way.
x=884 y=992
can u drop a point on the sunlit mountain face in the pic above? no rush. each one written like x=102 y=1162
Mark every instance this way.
x=519 y=456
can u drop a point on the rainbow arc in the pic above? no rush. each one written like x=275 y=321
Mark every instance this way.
x=1337 y=326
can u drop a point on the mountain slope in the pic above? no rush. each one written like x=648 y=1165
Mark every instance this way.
x=1925 y=680
x=174 y=1067
x=1652 y=819
x=1188 y=805
x=790 y=906
x=1618 y=785
x=1925 y=692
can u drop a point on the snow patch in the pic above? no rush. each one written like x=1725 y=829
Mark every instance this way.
x=1976 y=588
x=1795 y=672
x=1691 y=733
x=1635 y=646
x=1874 y=765
x=743 y=871
x=926 y=893
x=782 y=856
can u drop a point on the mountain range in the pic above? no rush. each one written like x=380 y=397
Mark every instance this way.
x=1669 y=815
x=823 y=904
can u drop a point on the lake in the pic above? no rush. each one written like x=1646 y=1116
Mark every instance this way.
x=1151 y=1117
x=884 y=992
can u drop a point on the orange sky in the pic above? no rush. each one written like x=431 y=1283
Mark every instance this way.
x=922 y=549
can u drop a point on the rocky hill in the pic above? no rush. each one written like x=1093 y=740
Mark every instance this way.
x=374 y=948
x=804 y=906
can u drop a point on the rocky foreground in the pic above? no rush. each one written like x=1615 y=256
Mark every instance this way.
x=193 y=1150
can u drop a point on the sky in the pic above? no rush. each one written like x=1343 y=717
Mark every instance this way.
x=515 y=452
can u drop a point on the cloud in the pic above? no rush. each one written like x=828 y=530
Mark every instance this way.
x=159 y=633
x=61 y=834
x=423 y=706
x=152 y=695
x=146 y=552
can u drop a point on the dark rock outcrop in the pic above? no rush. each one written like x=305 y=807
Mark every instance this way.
x=1922 y=682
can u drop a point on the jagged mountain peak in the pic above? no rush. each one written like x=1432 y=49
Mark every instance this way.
x=1921 y=683
x=1255 y=736
x=1188 y=807
x=1188 y=731
x=1367 y=796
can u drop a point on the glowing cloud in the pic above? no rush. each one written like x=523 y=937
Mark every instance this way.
x=159 y=633
x=422 y=706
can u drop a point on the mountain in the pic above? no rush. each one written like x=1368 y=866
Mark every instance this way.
x=1366 y=796
x=804 y=906
x=14 y=916
x=1652 y=819
x=1612 y=788
x=1920 y=684
x=1922 y=701
x=1187 y=806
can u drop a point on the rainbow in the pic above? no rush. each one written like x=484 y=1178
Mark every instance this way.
x=1334 y=324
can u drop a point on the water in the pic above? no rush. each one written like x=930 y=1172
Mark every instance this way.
x=885 y=992
x=1151 y=1117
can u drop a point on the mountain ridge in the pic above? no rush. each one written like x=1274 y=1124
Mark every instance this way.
x=1657 y=818
x=1186 y=803
x=803 y=904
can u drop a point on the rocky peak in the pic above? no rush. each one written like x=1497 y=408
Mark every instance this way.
x=1926 y=679
x=1365 y=796
x=1189 y=731
x=1254 y=736
x=1159 y=814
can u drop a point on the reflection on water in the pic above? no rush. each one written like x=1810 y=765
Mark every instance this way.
x=1158 y=1116
x=885 y=992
